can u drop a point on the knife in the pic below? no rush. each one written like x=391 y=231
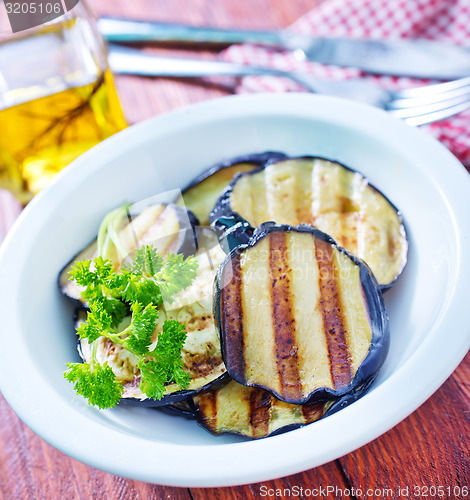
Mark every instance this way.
x=128 y=61
x=417 y=58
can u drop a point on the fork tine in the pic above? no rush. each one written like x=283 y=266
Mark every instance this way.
x=425 y=114
x=434 y=89
x=411 y=111
x=410 y=102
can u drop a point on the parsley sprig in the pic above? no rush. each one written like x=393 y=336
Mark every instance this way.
x=138 y=289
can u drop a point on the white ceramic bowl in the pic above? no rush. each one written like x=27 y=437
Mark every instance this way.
x=427 y=306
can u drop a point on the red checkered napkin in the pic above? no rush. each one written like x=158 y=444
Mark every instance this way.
x=446 y=20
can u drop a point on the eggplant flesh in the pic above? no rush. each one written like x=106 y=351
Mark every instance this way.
x=201 y=353
x=201 y=195
x=167 y=227
x=200 y=199
x=299 y=316
x=328 y=195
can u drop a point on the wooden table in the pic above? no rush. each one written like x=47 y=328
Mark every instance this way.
x=428 y=449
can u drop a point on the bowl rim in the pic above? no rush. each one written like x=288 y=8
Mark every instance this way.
x=433 y=351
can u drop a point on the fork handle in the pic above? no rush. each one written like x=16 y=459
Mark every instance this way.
x=125 y=60
x=125 y=30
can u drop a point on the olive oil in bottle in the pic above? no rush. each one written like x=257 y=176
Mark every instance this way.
x=57 y=100
x=40 y=137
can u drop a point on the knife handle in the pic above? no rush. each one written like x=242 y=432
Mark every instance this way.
x=125 y=30
x=125 y=60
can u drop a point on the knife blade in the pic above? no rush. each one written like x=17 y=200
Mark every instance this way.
x=128 y=61
x=418 y=58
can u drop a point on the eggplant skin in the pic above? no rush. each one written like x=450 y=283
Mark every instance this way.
x=183 y=409
x=326 y=194
x=350 y=398
x=202 y=193
x=302 y=339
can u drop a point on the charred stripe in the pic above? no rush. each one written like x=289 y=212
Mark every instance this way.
x=260 y=404
x=333 y=319
x=312 y=412
x=207 y=409
x=231 y=307
x=283 y=318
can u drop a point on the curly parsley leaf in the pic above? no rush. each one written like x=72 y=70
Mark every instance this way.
x=170 y=342
x=139 y=333
x=138 y=288
x=146 y=260
x=81 y=274
x=95 y=382
x=176 y=275
x=98 y=278
x=153 y=378
x=98 y=323
x=115 y=308
x=142 y=289
x=166 y=367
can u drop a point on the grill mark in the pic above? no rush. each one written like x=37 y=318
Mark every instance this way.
x=312 y=412
x=343 y=204
x=391 y=244
x=201 y=365
x=348 y=237
x=207 y=409
x=231 y=312
x=260 y=404
x=333 y=319
x=283 y=319
x=346 y=208
x=353 y=245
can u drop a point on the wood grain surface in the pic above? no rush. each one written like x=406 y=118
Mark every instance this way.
x=428 y=449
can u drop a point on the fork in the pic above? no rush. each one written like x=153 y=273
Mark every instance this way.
x=416 y=106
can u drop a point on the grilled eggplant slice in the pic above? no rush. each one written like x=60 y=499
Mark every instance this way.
x=251 y=412
x=166 y=226
x=201 y=353
x=327 y=195
x=256 y=413
x=201 y=195
x=299 y=316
